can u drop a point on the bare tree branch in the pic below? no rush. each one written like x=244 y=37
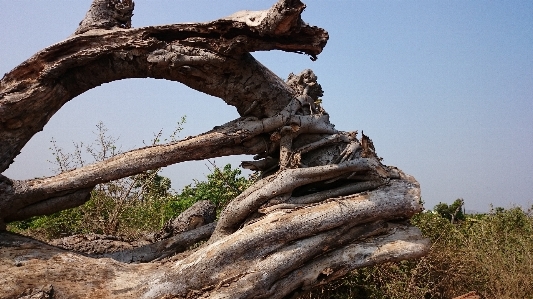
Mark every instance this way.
x=325 y=204
x=164 y=248
x=210 y=57
x=107 y=14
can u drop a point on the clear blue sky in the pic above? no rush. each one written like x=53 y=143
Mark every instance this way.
x=444 y=88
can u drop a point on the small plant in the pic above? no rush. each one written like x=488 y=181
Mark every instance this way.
x=124 y=207
x=134 y=205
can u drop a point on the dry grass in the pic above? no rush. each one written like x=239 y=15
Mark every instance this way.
x=491 y=254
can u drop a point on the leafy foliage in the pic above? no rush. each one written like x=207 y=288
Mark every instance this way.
x=451 y=212
x=131 y=206
x=222 y=185
x=489 y=253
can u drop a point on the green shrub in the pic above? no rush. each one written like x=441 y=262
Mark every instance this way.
x=488 y=253
x=222 y=185
x=453 y=212
x=134 y=206
x=130 y=206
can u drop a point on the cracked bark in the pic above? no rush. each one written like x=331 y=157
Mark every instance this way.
x=325 y=205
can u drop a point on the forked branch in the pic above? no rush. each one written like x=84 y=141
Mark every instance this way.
x=325 y=204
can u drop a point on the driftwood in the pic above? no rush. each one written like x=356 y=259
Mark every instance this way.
x=325 y=204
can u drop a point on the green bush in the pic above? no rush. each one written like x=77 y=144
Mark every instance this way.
x=134 y=206
x=222 y=185
x=453 y=212
x=130 y=206
x=488 y=253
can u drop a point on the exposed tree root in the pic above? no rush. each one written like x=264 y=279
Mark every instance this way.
x=325 y=204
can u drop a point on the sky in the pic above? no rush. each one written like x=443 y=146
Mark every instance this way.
x=443 y=88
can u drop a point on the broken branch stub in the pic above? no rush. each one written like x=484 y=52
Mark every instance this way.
x=325 y=204
x=107 y=14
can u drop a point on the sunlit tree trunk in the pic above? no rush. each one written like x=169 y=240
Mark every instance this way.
x=325 y=204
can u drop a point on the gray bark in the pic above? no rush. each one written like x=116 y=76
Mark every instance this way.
x=107 y=14
x=326 y=204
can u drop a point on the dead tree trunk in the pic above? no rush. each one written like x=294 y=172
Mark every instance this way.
x=326 y=204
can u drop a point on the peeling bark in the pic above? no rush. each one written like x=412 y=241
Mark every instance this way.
x=325 y=204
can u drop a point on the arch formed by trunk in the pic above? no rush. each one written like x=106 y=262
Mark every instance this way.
x=325 y=204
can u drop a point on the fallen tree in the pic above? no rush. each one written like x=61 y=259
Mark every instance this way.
x=325 y=204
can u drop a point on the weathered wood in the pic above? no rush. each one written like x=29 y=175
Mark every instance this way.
x=107 y=14
x=325 y=204
x=192 y=226
x=163 y=248
x=210 y=57
x=264 y=258
x=200 y=213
